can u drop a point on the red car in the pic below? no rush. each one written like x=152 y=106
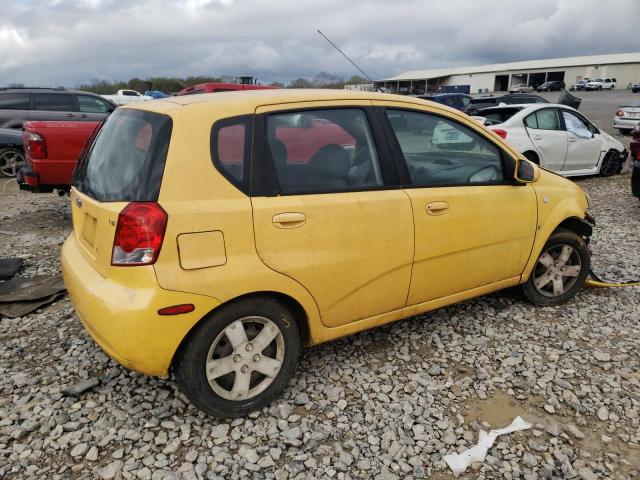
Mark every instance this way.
x=220 y=87
x=52 y=150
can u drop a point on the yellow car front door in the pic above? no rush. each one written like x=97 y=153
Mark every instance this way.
x=334 y=224
x=474 y=225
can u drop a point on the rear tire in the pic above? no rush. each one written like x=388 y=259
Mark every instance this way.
x=532 y=157
x=10 y=161
x=239 y=358
x=611 y=164
x=560 y=270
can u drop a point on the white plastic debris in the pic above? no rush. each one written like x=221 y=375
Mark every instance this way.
x=458 y=462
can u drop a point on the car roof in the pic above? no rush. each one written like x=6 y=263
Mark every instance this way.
x=251 y=99
x=42 y=90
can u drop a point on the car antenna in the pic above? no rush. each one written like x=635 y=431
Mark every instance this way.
x=345 y=56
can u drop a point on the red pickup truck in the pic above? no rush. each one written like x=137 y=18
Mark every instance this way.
x=51 y=153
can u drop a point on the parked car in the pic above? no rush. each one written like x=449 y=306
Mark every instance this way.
x=521 y=88
x=580 y=85
x=11 y=152
x=555 y=85
x=219 y=256
x=601 y=84
x=19 y=105
x=454 y=100
x=124 y=97
x=510 y=99
x=634 y=146
x=635 y=88
x=558 y=138
x=627 y=117
x=51 y=153
x=221 y=87
x=155 y=94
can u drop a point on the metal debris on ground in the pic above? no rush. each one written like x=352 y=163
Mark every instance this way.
x=9 y=267
x=20 y=296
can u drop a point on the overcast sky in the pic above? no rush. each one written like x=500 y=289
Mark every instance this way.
x=67 y=42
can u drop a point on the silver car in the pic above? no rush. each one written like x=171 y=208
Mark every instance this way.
x=520 y=88
x=627 y=117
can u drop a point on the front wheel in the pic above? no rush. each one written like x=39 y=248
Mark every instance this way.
x=240 y=358
x=560 y=271
x=611 y=163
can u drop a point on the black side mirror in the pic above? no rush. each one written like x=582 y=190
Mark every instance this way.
x=526 y=172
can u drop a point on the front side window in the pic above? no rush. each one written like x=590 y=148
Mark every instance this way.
x=546 y=119
x=14 y=101
x=53 y=102
x=323 y=150
x=576 y=125
x=439 y=151
x=89 y=104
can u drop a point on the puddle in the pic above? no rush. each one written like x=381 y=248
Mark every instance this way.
x=498 y=410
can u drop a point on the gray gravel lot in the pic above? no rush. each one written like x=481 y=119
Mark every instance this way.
x=384 y=404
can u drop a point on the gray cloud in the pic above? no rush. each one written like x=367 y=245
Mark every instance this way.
x=66 y=42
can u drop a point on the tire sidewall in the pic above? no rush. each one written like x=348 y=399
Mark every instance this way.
x=612 y=156
x=189 y=365
x=560 y=237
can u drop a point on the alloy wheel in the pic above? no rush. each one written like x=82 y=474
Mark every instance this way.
x=557 y=270
x=245 y=358
x=10 y=161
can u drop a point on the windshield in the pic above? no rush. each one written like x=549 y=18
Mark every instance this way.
x=126 y=160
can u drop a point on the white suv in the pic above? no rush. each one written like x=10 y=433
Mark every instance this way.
x=601 y=83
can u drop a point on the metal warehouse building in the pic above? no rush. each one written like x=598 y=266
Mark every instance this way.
x=624 y=67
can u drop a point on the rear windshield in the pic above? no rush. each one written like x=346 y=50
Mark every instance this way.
x=496 y=116
x=126 y=161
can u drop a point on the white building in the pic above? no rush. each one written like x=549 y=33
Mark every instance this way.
x=624 y=67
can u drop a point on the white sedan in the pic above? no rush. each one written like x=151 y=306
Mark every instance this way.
x=556 y=137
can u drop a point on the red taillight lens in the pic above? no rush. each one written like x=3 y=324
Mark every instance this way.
x=36 y=146
x=139 y=234
x=619 y=113
x=500 y=132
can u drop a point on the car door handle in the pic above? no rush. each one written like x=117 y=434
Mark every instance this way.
x=84 y=116
x=537 y=137
x=289 y=220
x=572 y=140
x=437 y=208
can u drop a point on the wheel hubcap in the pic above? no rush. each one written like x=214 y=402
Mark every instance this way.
x=245 y=358
x=557 y=270
x=10 y=162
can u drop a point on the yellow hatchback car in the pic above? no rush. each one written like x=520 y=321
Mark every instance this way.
x=214 y=235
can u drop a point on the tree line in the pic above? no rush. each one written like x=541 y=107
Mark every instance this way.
x=174 y=84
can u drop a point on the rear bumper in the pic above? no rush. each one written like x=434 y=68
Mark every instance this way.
x=121 y=313
x=625 y=123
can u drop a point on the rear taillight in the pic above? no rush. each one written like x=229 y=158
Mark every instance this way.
x=500 y=132
x=619 y=113
x=139 y=234
x=36 y=146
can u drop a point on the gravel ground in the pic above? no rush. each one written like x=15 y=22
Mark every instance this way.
x=384 y=404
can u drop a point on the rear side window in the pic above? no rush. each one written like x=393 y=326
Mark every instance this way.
x=89 y=104
x=323 y=150
x=14 y=101
x=53 y=102
x=127 y=158
x=546 y=119
x=231 y=149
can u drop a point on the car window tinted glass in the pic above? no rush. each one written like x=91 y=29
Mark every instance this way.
x=126 y=161
x=89 y=104
x=546 y=119
x=439 y=151
x=323 y=150
x=465 y=101
x=14 y=101
x=55 y=102
x=576 y=125
x=230 y=145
